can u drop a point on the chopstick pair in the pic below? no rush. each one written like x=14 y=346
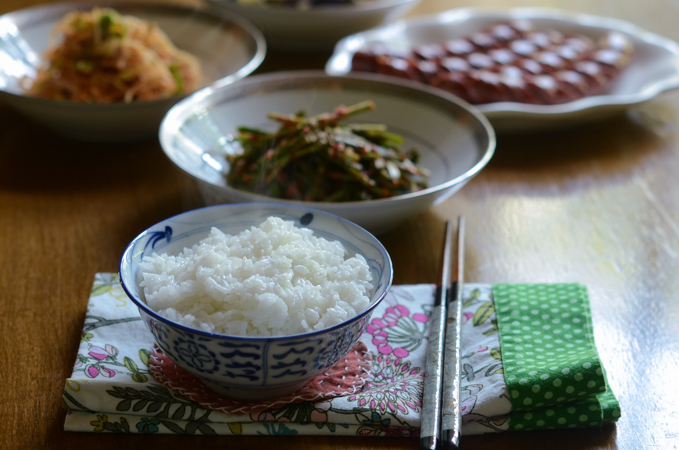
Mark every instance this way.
x=441 y=420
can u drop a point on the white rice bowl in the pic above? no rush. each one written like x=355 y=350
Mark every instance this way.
x=271 y=280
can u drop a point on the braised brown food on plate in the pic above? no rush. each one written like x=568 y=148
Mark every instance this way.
x=509 y=61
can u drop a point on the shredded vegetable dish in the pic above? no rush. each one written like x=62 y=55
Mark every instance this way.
x=318 y=159
x=101 y=56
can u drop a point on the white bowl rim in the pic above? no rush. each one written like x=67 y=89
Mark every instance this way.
x=147 y=309
x=247 y=26
x=173 y=119
x=363 y=6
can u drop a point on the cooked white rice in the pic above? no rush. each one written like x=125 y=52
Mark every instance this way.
x=271 y=280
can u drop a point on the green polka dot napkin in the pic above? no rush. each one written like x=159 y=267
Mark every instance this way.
x=551 y=366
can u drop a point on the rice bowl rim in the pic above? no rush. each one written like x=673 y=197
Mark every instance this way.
x=147 y=309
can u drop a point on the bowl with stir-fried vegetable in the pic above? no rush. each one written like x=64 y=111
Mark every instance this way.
x=367 y=148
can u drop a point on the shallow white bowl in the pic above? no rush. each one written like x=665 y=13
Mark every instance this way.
x=253 y=367
x=455 y=140
x=320 y=27
x=227 y=46
x=654 y=67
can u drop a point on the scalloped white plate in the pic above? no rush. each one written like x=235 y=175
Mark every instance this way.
x=654 y=67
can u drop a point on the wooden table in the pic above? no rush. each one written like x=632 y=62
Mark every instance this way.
x=596 y=204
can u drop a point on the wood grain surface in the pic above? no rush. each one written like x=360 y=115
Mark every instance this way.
x=596 y=204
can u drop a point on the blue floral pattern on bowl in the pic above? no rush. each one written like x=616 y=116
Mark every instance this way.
x=196 y=356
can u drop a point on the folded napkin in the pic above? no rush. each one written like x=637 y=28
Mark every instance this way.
x=529 y=360
x=517 y=374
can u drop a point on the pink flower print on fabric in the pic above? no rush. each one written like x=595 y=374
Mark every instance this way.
x=394 y=386
x=99 y=354
x=93 y=371
x=397 y=332
x=320 y=412
x=102 y=353
x=106 y=372
x=467 y=406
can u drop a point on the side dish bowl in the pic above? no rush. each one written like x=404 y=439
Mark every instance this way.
x=654 y=67
x=317 y=27
x=455 y=141
x=24 y=36
x=263 y=371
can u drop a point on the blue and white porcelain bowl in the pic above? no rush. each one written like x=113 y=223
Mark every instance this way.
x=253 y=367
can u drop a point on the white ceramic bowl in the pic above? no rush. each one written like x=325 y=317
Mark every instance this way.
x=654 y=67
x=455 y=141
x=265 y=366
x=319 y=27
x=227 y=46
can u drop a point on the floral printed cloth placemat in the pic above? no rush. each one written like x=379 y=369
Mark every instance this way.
x=111 y=388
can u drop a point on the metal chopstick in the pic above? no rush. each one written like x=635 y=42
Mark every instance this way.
x=451 y=422
x=433 y=381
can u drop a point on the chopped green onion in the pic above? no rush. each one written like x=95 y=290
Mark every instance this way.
x=178 y=78
x=84 y=66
